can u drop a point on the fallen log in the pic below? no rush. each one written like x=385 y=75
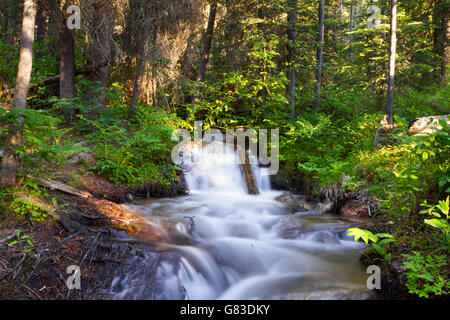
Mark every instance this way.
x=54 y=185
x=425 y=125
x=54 y=79
x=249 y=176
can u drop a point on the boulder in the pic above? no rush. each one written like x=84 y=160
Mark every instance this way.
x=423 y=126
x=324 y=207
x=288 y=227
x=324 y=237
x=285 y=197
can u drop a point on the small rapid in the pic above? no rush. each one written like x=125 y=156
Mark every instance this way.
x=232 y=245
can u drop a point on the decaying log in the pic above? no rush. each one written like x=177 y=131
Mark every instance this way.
x=424 y=125
x=54 y=185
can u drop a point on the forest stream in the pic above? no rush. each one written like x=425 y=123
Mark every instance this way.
x=232 y=245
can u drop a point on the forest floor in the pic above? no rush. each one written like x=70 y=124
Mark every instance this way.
x=33 y=264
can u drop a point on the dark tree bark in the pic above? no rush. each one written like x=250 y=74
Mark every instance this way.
x=66 y=52
x=41 y=21
x=143 y=58
x=392 y=52
x=154 y=87
x=292 y=34
x=351 y=31
x=11 y=159
x=319 y=53
x=441 y=35
x=12 y=10
x=142 y=61
x=99 y=49
x=206 y=50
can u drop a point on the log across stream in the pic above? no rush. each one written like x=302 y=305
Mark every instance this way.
x=228 y=244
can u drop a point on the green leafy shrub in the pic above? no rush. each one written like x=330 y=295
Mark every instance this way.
x=44 y=143
x=426 y=275
x=29 y=209
x=379 y=241
x=25 y=241
x=136 y=153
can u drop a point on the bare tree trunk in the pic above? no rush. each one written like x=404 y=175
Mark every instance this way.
x=11 y=159
x=67 y=61
x=319 y=53
x=292 y=34
x=441 y=35
x=206 y=50
x=390 y=80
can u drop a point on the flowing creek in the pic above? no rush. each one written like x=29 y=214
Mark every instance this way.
x=232 y=245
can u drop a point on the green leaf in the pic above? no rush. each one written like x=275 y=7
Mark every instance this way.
x=437 y=223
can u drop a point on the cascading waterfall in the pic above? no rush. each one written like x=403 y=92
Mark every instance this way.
x=241 y=246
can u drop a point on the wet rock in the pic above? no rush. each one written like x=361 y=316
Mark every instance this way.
x=285 y=197
x=288 y=227
x=324 y=207
x=278 y=182
x=296 y=201
x=329 y=295
x=303 y=207
x=324 y=237
x=354 y=208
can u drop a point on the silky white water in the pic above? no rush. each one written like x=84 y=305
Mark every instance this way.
x=240 y=246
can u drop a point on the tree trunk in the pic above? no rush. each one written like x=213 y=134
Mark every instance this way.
x=154 y=87
x=66 y=61
x=390 y=80
x=441 y=35
x=99 y=49
x=143 y=57
x=292 y=34
x=11 y=159
x=206 y=50
x=41 y=22
x=12 y=7
x=142 y=62
x=351 y=30
x=319 y=53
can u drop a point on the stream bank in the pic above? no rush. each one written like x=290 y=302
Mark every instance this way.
x=123 y=257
